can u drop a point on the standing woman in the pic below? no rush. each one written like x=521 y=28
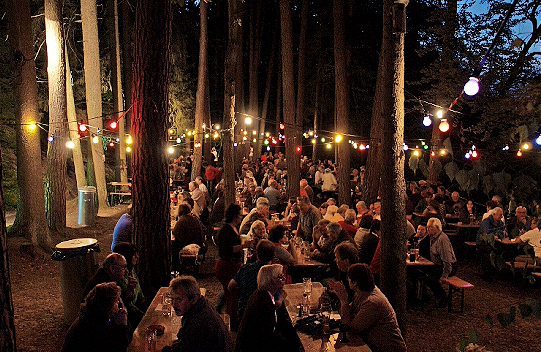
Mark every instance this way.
x=230 y=256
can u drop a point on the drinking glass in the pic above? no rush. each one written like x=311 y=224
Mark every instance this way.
x=166 y=304
x=307 y=283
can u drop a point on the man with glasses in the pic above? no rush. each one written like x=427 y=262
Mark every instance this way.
x=203 y=330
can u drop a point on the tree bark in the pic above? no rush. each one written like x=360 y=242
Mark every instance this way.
x=202 y=102
x=7 y=323
x=150 y=186
x=73 y=129
x=393 y=190
x=288 y=84
x=266 y=98
x=371 y=185
x=30 y=219
x=253 y=86
x=342 y=102
x=230 y=100
x=127 y=63
x=56 y=177
x=89 y=19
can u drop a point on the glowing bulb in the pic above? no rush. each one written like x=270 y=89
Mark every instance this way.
x=310 y=133
x=444 y=125
x=216 y=135
x=171 y=131
x=171 y=150
x=248 y=120
x=32 y=126
x=111 y=144
x=128 y=149
x=282 y=126
x=506 y=147
x=328 y=145
x=266 y=142
x=433 y=154
x=538 y=140
x=254 y=140
x=425 y=146
x=113 y=125
x=235 y=144
x=405 y=147
x=339 y=138
x=427 y=121
x=50 y=138
x=525 y=146
x=95 y=139
x=207 y=135
x=204 y=126
x=70 y=145
x=519 y=153
x=217 y=127
x=415 y=153
x=179 y=140
x=314 y=141
x=474 y=154
x=439 y=114
x=268 y=149
x=443 y=152
x=472 y=86
x=322 y=139
x=244 y=138
x=362 y=147
x=267 y=134
x=189 y=133
x=254 y=132
x=468 y=155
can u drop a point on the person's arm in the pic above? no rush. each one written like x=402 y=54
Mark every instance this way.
x=446 y=254
x=232 y=285
x=339 y=289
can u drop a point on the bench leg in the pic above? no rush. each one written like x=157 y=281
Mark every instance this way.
x=452 y=290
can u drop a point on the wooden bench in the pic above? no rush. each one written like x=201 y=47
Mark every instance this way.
x=456 y=284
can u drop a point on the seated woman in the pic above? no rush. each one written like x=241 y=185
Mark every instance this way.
x=265 y=325
x=286 y=257
x=369 y=314
x=102 y=324
x=257 y=233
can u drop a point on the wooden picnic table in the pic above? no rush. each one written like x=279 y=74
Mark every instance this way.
x=155 y=316
x=421 y=261
x=314 y=343
x=120 y=189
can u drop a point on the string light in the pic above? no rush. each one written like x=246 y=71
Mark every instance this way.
x=519 y=153
x=128 y=149
x=472 y=86
x=338 y=138
x=415 y=153
x=171 y=150
x=70 y=144
x=95 y=139
x=427 y=121
x=32 y=126
x=444 y=125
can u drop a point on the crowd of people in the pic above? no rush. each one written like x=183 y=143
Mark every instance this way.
x=256 y=256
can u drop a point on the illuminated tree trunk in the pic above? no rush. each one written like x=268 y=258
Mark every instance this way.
x=7 y=323
x=91 y=51
x=150 y=186
x=73 y=129
x=30 y=220
x=230 y=100
x=56 y=177
x=371 y=185
x=255 y=54
x=341 y=101
x=202 y=102
x=288 y=93
x=118 y=100
x=393 y=190
x=266 y=98
x=127 y=63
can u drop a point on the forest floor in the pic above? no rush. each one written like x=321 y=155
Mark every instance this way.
x=40 y=326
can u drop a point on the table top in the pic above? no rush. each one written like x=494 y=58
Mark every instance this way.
x=506 y=240
x=459 y=224
x=155 y=316
x=422 y=261
x=301 y=261
x=114 y=183
x=315 y=343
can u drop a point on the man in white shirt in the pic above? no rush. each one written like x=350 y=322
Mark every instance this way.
x=533 y=238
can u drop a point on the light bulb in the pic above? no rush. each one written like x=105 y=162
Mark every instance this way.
x=472 y=86
x=519 y=153
x=427 y=121
x=474 y=154
x=538 y=140
x=444 y=125
x=415 y=153
x=171 y=150
x=70 y=144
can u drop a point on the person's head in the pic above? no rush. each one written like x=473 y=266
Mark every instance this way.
x=536 y=223
x=377 y=208
x=350 y=216
x=342 y=210
x=366 y=221
x=421 y=231
x=270 y=278
x=433 y=205
x=258 y=230
x=192 y=186
x=129 y=211
x=102 y=301
x=331 y=201
x=295 y=209
x=265 y=251
x=184 y=293
x=427 y=194
x=184 y=209
x=262 y=205
x=469 y=206
x=199 y=180
x=129 y=251
x=441 y=190
x=304 y=203
x=303 y=183
x=491 y=205
x=361 y=207
x=455 y=196
x=497 y=214
x=278 y=234
x=345 y=255
x=189 y=201
x=115 y=266
x=322 y=226
x=332 y=209
x=521 y=212
x=334 y=229
x=375 y=226
x=232 y=213
x=433 y=226
x=360 y=277
x=323 y=208
x=497 y=199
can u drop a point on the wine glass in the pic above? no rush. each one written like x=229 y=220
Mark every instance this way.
x=325 y=316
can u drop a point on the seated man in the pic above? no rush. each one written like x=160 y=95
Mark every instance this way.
x=187 y=230
x=336 y=236
x=260 y=212
x=348 y=223
x=369 y=314
x=443 y=256
x=345 y=255
x=492 y=227
x=533 y=238
x=123 y=228
x=518 y=224
x=308 y=218
x=246 y=278
x=203 y=330
x=453 y=205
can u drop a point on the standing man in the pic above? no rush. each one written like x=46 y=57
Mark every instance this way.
x=443 y=256
x=199 y=198
x=308 y=218
x=203 y=330
x=123 y=228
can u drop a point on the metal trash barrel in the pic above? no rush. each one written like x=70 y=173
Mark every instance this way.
x=77 y=262
x=87 y=205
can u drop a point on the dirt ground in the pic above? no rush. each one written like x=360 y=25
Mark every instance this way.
x=40 y=326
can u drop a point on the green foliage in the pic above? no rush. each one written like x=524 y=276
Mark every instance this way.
x=501 y=182
x=488 y=184
x=467 y=180
x=461 y=346
x=413 y=163
x=525 y=189
x=451 y=169
x=424 y=167
x=506 y=319
x=473 y=337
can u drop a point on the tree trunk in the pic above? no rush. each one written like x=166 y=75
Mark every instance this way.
x=150 y=189
x=342 y=102
x=121 y=171
x=393 y=190
x=229 y=121
x=127 y=63
x=30 y=219
x=288 y=84
x=371 y=185
x=240 y=151
x=202 y=103
x=73 y=129
x=56 y=177
x=7 y=323
x=255 y=54
x=301 y=73
x=266 y=98
x=91 y=51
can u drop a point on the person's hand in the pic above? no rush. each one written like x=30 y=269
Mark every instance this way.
x=338 y=288
x=281 y=298
x=132 y=284
x=121 y=316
